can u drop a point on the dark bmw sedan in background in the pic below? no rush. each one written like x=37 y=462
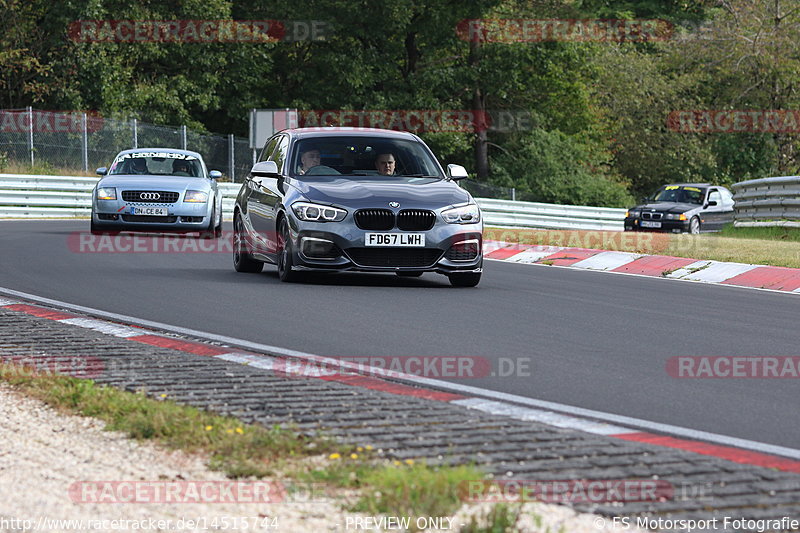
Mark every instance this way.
x=683 y=207
x=356 y=199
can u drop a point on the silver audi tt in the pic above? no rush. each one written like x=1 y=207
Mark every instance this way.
x=356 y=199
x=158 y=190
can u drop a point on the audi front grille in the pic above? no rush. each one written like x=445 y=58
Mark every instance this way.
x=151 y=197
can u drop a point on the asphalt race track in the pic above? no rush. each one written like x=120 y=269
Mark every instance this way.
x=595 y=340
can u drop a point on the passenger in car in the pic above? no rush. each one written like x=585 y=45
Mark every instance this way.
x=385 y=164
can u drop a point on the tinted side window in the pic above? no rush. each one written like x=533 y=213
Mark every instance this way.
x=268 y=149
x=280 y=153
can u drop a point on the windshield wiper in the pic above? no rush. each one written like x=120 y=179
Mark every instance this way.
x=417 y=176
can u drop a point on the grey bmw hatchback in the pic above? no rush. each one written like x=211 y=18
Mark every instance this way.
x=356 y=199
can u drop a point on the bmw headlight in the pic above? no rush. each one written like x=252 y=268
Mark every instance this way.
x=199 y=197
x=106 y=193
x=632 y=213
x=318 y=213
x=676 y=216
x=467 y=214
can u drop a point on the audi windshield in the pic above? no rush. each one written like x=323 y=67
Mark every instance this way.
x=156 y=163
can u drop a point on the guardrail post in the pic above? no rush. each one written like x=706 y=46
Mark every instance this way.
x=513 y=194
x=231 y=158
x=183 y=137
x=135 y=133
x=30 y=132
x=85 y=145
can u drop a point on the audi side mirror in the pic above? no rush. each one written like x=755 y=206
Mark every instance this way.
x=215 y=174
x=102 y=171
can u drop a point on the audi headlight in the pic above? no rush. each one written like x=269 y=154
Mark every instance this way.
x=468 y=214
x=106 y=193
x=318 y=213
x=199 y=197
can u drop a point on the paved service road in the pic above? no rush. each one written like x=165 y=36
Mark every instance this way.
x=596 y=340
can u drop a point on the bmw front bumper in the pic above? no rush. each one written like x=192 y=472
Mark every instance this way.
x=341 y=246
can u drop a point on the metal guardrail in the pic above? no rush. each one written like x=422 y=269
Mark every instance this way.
x=767 y=202
x=33 y=196
x=29 y=196
x=551 y=216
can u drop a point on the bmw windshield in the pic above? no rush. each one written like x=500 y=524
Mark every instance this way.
x=367 y=158
x=680 y=194
x=157 y=163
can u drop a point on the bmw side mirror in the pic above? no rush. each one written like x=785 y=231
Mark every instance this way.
x=267 y=169
x=711 y=203
x=215 y=174
x=456 y=172
x=102 y=171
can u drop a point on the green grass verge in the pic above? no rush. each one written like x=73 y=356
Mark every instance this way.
x=237 y=449
x=241 y=450
x=762 y=233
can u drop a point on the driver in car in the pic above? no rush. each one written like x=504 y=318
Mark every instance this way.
x=138 y=166
x=308 y=160
x=385 y=164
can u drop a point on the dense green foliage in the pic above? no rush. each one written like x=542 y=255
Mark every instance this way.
x=597 y=130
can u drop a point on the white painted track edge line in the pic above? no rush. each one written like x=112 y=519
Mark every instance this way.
x=450 y=387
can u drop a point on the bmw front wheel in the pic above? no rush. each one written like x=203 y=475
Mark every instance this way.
x=285 y=253
x=242 y=260
x=694 y=226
